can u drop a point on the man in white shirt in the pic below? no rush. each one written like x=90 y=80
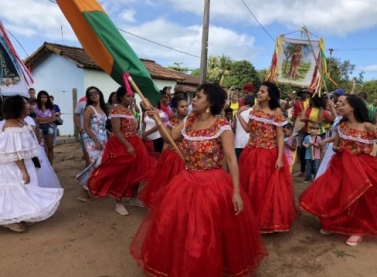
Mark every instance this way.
x=241 y=136
x=79 y=122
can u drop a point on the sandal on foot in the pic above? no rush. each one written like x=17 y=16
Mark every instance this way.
x=28 y=224
x=83 y=199
x=323 y=232
x=16 y=227
x=120 y=209
x=354 y=240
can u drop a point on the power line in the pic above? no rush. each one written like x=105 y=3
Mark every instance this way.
x=260 y=24
x=159 y=44
x=17 y=41
x=242 y=20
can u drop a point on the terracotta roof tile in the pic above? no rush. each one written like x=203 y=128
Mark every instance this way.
x=79 y=56
x=187 y=79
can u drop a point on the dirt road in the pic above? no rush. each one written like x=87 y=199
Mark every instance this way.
x=91 y=240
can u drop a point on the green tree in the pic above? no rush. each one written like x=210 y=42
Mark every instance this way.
x=195 y=72
x=242 y=72
x=177 y=67
x=341 y=72
x=370 y=87
x=218 y=68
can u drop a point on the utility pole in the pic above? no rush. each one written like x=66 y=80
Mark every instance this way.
x=204 y=54
x=331 y=50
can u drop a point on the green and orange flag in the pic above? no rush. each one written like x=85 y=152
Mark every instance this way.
x=102 y=41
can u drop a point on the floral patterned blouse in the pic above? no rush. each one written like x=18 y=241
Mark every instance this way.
x=172 y=123
x=358 y=142
x=128 y=122
x=202 y=149
x=263 y=129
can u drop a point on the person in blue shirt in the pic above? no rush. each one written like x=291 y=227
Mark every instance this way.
x=57 y=113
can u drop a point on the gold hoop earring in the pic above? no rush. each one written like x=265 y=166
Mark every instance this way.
x=207 y=110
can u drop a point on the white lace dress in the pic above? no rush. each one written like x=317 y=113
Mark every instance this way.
x=20 y=202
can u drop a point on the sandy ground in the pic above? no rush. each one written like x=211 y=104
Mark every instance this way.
x=90 y=239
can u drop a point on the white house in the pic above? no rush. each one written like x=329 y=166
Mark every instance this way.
x=58 y=69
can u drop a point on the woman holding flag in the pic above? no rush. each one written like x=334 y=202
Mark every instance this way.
x=204 y=209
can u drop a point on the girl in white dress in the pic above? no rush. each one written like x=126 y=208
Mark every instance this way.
x=21 y=199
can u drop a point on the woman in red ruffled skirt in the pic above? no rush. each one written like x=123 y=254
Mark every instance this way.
x=125 y=162
x=264 y=169
x=169 y=164
x=204 y=224
x=345 y=196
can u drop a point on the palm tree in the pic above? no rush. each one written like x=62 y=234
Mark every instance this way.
x=218 y=68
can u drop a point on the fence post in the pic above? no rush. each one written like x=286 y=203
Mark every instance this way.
x=74 y=104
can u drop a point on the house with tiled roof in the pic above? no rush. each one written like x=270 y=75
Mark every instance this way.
x=59 y=69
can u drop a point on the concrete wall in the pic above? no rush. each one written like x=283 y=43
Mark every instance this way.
x=58 y=76
x=100 y=80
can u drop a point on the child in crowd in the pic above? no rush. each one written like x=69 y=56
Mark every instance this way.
x=290 y=144
x=229 y=116
x=313 y=152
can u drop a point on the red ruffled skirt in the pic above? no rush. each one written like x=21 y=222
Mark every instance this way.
x=194 y=231
x=168 y=166
x=119 y=172
x=270 y=190
x=345 y=196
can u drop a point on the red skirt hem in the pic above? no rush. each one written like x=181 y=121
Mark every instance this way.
x=348 y=190
x=119 y=172
x=196 y=214
x=270 y=190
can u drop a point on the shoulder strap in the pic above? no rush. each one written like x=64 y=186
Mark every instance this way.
x=93 y=109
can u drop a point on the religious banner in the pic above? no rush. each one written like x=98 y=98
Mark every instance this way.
x=14 y=76
x=299 y=63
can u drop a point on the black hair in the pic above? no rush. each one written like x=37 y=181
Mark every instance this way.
x=228 y=110
x=31 y=89
x=363 y=95
x=101 y=99
x=249 y=100
x=175 y=101
x=165 y=89
x=288 y=126
x=163 y=94
x=216 y=96
x=51 y=97
x=111 y=96
x=318 y=101
x=360 y=110
x=13 y=107
x=274 y=94
x=48 y=104
x=121 y=91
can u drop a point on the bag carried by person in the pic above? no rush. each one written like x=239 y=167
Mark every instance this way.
x=59 y=120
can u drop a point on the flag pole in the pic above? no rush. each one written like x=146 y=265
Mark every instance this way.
x=156 y=118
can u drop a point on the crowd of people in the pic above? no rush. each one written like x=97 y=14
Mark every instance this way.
x=234 y=183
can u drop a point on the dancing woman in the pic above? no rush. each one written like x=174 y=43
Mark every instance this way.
x=169 y=163
x=95 y=136
x=204 y=225
x=345 y=197
x=22 y=201
x=125 y=161
x=264 y=169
